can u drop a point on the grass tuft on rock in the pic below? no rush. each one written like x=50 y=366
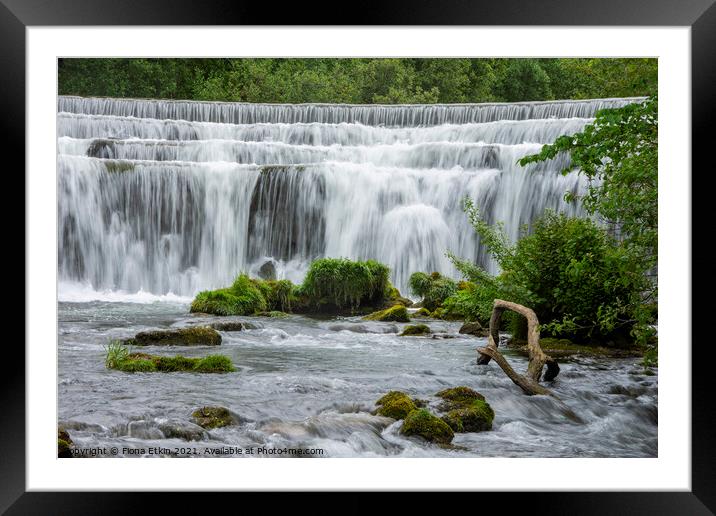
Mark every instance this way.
x=119 y=357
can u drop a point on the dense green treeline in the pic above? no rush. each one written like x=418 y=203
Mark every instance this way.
x=359 y=80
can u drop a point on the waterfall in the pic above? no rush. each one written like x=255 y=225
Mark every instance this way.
x=179 y=196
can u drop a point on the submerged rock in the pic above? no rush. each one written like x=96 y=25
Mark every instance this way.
x=395 y=404
x=228 y=326
x=474 y=328
x=422 y=423
x=192 y=336
x=415 y=329
x=182 y=430
x=397 y=313
x=212 y=417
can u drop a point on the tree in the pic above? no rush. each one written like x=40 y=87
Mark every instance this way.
x=618 y=154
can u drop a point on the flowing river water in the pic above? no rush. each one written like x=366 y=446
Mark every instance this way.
x=159 y=199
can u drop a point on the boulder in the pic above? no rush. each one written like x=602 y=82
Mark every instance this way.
x=476 y=416
x=267 y=271
x=228 y=326
x=422 y=423
x=475 y=329
x=212 y=417
x=397 y=313
x=395 y=404
x=415 y=329
x=192 y=336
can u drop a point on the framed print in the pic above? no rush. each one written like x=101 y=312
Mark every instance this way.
x=427 y=255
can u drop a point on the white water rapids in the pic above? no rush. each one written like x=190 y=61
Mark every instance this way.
x=172 y=197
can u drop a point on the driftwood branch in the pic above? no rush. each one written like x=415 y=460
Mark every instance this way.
x=537 y=358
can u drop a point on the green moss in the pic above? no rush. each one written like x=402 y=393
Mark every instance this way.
x=397 y=313
x=244 y=297
x=415 y=329
x=477 y=416
x=460 y=394
x=431 y=428
x=395 y=404
x=273 y=313
x=212 y=417
x=192 y=336
x=145 y=363
x=214 y=364
x=422 y=312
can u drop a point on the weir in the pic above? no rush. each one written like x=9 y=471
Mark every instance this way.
x=179 y=196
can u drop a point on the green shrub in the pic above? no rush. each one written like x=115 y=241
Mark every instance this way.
x=344 y=284
x=577 y=278
x=433 y=289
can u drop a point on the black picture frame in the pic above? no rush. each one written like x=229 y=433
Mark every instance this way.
x=699 y=15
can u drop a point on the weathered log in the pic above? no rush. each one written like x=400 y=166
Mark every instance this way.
x=537 y=358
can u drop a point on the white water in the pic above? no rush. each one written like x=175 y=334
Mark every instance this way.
x=167 y=198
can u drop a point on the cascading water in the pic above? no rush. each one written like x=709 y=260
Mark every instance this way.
x=177 y=196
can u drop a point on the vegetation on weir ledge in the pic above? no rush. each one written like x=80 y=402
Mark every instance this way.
x=395 y=404
x=332 y=285
x=120 y=358
x=415 y=329
x=433 y=288
x=191 y=336
x=422 y=423
x=212 y=417
x=397 y=313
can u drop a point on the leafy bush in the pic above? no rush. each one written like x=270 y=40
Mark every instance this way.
x=579 y=281
x=244 y=297
x=342 y=283
x=434 y=289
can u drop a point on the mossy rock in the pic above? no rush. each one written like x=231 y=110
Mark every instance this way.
x=397 y=313
x=228 y=326
x=192 y=336
x=394 y=298
x=477 y=416
x=273 y=313
x=145 y=363
x=422 y=312
x=474 y=328
x=395 y=405
x=415 y=329
x=212 y=417
x=64 y=444
x=461 y=394
x=422 y=423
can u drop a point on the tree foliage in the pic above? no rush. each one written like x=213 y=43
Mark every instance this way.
x=581 y=282
x=618 y=153
x=357 y=80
